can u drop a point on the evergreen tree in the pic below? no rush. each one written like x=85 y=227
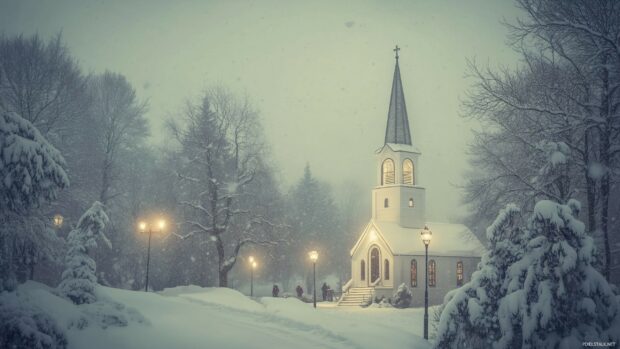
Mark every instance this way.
x=558 y=299
x=469 y=317
x=79 y=278
x=534 y=288
x=32 y=172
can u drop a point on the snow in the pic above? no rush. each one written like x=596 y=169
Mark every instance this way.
x=195 y=317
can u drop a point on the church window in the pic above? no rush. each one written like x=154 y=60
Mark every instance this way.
x=408 y=172
x=459 y=273
x=386 y=271
x=375 y=263
x=386 y=203
x=363 y=270
x=410 y=202
x=414 y=273
x=432 y=273
x=388 y=174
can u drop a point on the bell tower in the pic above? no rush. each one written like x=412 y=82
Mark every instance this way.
x=398 y=197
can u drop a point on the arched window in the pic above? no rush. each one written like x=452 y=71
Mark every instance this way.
x=386 y=269
x=386 y=203
x=432 y=273
x=387 y=169
x=408 y=172
x=375 y=263
x=410 y=202
x=414 y=273
x=363 y=270
x=459 y=273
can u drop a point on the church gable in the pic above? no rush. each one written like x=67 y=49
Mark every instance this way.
x=370 y=235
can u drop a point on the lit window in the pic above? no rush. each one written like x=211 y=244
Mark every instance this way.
x=363 y=270
x=408 y=172
x=432 y=273
x=386 y=203
x=459 y=273
x=386 y=267
x=387 y=176
x=410 y=202
x=414 y=273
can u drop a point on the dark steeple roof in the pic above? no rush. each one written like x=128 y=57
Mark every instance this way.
x=397 y=130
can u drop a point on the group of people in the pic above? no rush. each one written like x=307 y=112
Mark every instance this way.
x=326 y=292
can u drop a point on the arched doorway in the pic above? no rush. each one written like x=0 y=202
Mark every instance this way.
x=375 y=260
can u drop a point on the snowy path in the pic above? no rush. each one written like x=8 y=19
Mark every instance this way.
x=193 y=317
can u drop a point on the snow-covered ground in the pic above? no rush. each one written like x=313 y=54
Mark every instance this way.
x=194 y=317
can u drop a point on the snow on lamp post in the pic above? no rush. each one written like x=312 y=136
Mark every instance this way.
x=252 y=267
x=314 y=255
x=58 y=219
x=143 y=227
x=426 y=235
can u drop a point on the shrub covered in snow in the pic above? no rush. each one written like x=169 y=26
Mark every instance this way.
x=79 y=278
x=402 y=297
x=535 y=288
x=25 y=326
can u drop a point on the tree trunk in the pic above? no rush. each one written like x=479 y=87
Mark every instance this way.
x=590 y=183
x=604 y=149
x=222 y=271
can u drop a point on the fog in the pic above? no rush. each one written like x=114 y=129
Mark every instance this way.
x=320 y=72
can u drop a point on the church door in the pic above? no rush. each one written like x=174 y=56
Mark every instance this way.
x=374 y=265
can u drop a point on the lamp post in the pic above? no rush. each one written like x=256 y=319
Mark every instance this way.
x=145 y=228
x=426 y=235
x=253 y=266
x=314 y=255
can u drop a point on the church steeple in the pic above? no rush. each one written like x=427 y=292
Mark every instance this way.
x=397 y=130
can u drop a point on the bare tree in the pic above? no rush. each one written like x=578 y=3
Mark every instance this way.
x=223 y=151
x=41 y=82
x=567 y=89
x=117 y=117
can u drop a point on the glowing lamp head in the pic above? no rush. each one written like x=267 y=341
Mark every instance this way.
x=314 y=255
x=251 y=259
x=426 y=235
x=161 y=224
x=254 y=265
x=142 y=227
x=58 y=220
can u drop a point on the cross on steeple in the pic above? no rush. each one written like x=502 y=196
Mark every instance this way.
x=396 y=50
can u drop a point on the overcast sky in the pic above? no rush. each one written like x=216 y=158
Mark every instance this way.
x=319 y=71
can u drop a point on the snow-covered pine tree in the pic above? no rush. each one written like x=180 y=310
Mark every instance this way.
x=468 y=319
x=79 y=278
x=558 y=299
x=402 y=297
x=31 y=171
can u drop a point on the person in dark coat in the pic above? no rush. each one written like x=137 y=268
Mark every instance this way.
x=324 y=289
x=299 y=290
x=275 y=290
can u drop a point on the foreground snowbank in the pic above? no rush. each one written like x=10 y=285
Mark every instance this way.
x=195 y=317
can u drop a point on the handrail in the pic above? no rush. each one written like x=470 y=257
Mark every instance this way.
x=376 y=282
x=347 y=286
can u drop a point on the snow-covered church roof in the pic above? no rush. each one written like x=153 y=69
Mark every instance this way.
x=448 y=239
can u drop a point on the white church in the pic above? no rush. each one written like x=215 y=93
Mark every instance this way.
x=390 y=250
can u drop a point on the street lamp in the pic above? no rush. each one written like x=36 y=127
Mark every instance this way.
x=146 y=228
x=253 y=266
x=426 y=235
x=58 y=219
x=314 y=255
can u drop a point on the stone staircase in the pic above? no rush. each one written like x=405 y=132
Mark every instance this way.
x=357 y=296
